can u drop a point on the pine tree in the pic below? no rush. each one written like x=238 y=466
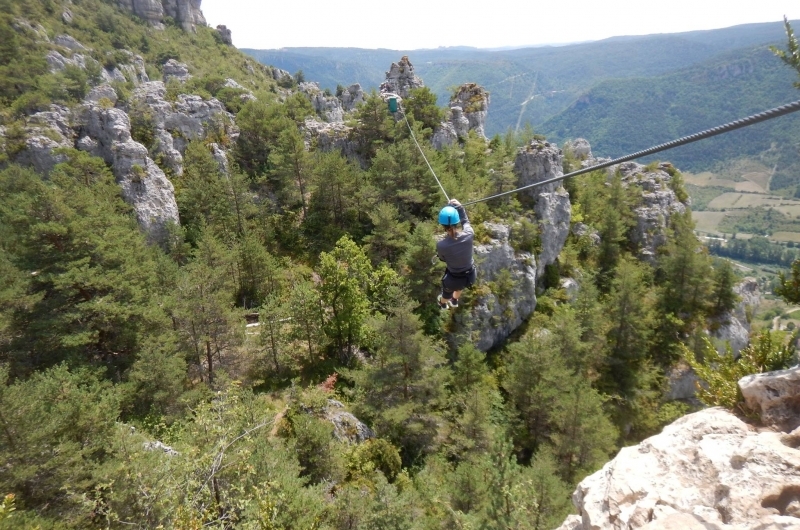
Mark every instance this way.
x=629 y=310
x=418 y=267
x=374 y=128
x=90 y=288
x=723 y=298
x=290 y=169
x=388 y=238
x=403 y=386
x=615 y=222
x=203 y=311
x=307 y=321
x=345 y=273
x=474 y=400
x=335 y=205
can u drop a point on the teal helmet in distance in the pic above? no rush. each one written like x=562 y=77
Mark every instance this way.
x=448 y=216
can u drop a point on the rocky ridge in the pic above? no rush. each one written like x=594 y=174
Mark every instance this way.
x=496 y=315
x=106 y=133
x=186 y=13
x=468 y=110
x=707 y=471
x=401 y=79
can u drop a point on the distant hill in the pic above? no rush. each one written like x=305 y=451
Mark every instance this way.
x=623 y=116
x=529 y=84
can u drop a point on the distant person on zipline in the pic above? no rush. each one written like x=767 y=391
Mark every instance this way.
x=456 y=251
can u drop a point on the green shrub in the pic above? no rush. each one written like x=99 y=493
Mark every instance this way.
x=31 y=102
x=142 y=124
x=721 y=372
x=524 y=236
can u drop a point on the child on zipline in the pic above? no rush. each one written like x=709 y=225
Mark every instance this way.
x=456 y=251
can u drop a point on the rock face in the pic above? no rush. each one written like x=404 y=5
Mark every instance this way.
x=579 y=148
x=497 y=315
x=553 y=211
x=175 y=124
x=331 y=137
x=468 y=111
x=708 y=470
x=174 y=69
x=734 y=326
x=776 y=397
x=45 y=132
x=473 y=101
x=329 y=107
x=346 y=427
x=225 y=34
x=536 y=162
x=106 y=133
x=185 y=13
x=659 y=203
x=351 y=97
x=132 y=71
x=400 y=79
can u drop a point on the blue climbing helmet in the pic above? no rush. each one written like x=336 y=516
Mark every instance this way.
x=448 y=216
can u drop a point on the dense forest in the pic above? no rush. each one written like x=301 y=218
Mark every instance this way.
x=133 y=392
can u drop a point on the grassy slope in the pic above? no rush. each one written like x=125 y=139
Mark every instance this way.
x=203 y=51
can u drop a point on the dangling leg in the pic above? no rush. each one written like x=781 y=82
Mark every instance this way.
x=454 y=299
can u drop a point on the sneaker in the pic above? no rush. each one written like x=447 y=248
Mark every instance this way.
x=454 y=302
x=443 y=305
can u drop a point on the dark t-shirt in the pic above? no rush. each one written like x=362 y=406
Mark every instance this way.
x=457 y=252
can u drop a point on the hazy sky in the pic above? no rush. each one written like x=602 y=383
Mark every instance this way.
x=413 y=24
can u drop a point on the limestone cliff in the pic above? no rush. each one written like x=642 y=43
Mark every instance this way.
x=400 y=78
x=468 y=110
x=496 y=314
x=707 y=470
x=186 y=13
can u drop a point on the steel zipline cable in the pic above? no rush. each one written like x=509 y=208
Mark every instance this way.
x=403 y=112
x=738 y=124
x=425 y=158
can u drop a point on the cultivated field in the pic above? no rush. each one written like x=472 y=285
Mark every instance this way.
x=748 y=183
x=707 y=179
x=734 y=201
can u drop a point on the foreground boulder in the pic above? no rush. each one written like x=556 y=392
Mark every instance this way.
x=707 y=470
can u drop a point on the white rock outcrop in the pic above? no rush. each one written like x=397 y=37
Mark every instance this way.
x=473 y=101
x=659 y=203
x=328 y=107
x=225 y=34
x=331 y=137
x=776 y=398
x=536 y=162
x=579 y=148
x=176 y=123
x=553 y=212
x=185 y=13
x=496 y=315
x=346 y=427
x=734 y=328
x=707 y=470
x=44 y=133
x=400 y=79
x=468 y=110
x=172 y=69
x=351 y=97
x=106 y=132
